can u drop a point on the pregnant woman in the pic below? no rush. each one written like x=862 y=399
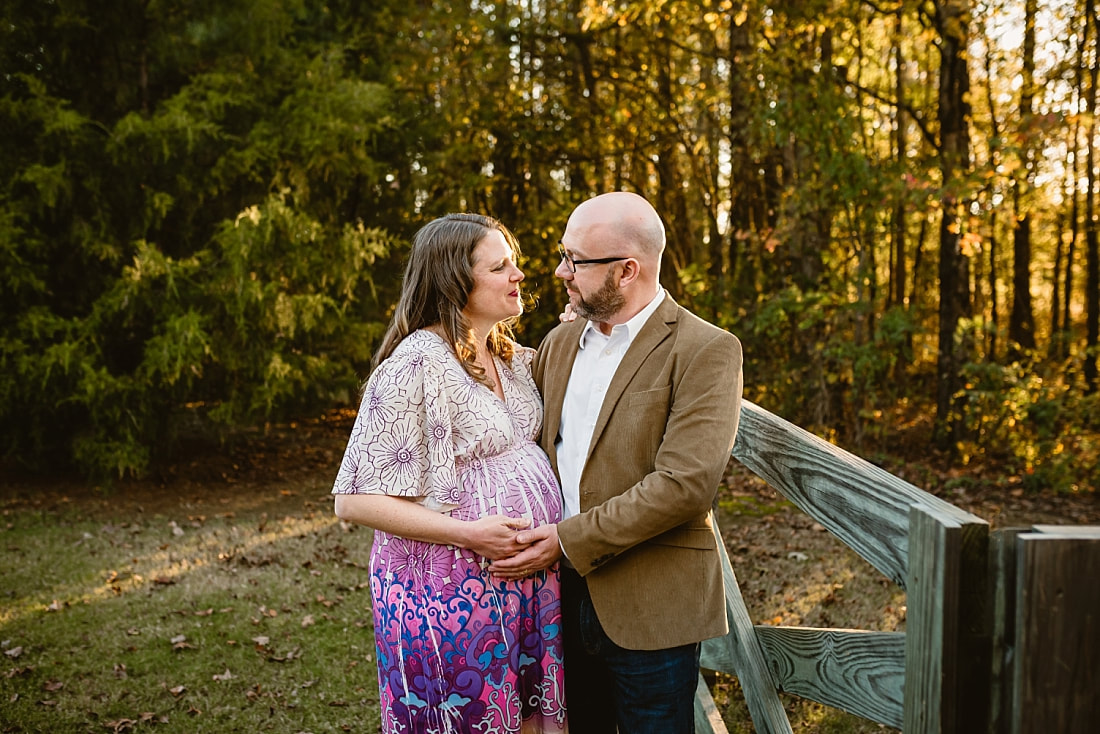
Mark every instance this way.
x=442 y=463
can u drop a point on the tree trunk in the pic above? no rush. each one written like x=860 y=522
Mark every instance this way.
x=680 y=250
x=1092 y=247
x=1021 y=323
x=898 y=263
x=952 y=19
x=1055 y=345
x=993 y=244
x=1074 y=219
x=748 y=190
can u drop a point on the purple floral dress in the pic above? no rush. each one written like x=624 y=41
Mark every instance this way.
x=458 y=651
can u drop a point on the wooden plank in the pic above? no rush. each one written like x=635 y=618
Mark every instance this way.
x=1057 y=672
x=708 y=720
x=857 y=671
x=860 y=503
x=947 y=625
x=1002 y=552
x=930 y=626
x=740 y=653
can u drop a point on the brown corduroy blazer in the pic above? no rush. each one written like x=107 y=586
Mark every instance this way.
x=644 y=539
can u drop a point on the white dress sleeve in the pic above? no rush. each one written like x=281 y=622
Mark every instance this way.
x=401 y=443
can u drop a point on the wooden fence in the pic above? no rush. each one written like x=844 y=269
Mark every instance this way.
x=1001 y=628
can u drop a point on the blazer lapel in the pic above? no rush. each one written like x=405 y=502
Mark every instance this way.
x=653 y=332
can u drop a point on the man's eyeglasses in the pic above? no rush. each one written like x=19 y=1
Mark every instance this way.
x=595 y=261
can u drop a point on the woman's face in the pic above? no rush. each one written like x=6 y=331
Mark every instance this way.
x=496 y=292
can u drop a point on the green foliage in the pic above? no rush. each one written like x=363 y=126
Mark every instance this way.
x=829 y=366
x=196 y=246
x=1040 y=427
x=203 y=205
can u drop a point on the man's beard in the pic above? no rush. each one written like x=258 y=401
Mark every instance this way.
x=607 y=301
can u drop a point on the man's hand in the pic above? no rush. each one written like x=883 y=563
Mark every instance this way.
x=542 y=551
x=495 y=536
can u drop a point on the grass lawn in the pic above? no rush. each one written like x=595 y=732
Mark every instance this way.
x=226 y=619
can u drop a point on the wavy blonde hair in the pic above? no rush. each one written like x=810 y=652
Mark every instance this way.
x=439 y=278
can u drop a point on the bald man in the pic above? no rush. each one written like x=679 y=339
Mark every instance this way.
x=642 y=404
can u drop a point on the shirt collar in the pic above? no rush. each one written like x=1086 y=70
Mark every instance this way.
x=633 y=326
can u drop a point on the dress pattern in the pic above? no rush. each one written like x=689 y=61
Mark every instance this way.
x=457 y=650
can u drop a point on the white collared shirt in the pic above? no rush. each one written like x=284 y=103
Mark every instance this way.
x=594 y=366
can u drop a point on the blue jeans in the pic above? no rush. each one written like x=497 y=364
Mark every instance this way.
x=607 y=686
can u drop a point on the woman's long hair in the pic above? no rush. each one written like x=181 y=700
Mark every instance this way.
x=438 y=280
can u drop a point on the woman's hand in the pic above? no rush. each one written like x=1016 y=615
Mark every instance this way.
x=494 y=537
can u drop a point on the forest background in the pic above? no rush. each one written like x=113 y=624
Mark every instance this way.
x=205 y=206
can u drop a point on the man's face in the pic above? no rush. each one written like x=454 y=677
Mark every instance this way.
x=593 y=297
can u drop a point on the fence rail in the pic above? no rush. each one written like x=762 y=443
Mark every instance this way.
x=975 y=604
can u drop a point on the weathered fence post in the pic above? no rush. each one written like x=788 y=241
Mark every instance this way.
x=1047 y=662
x=948 y=623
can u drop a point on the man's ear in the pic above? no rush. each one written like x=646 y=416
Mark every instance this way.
x=630 y=272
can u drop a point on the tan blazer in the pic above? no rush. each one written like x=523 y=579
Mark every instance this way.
x=644 y=539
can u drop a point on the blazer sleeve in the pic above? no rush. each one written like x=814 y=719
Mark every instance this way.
x=678 y=488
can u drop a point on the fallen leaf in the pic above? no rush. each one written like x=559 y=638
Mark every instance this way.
x=307 y=621
x=224 y=676
x=52 y=685
x=177 y=691
x=14 y=652
x=295 y=653
x=179 y=642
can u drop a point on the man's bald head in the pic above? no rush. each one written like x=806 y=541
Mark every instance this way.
x=619 y=220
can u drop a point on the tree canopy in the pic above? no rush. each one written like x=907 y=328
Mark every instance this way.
x=204 y=207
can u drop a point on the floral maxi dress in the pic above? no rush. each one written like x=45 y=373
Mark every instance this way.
x=458 y=651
